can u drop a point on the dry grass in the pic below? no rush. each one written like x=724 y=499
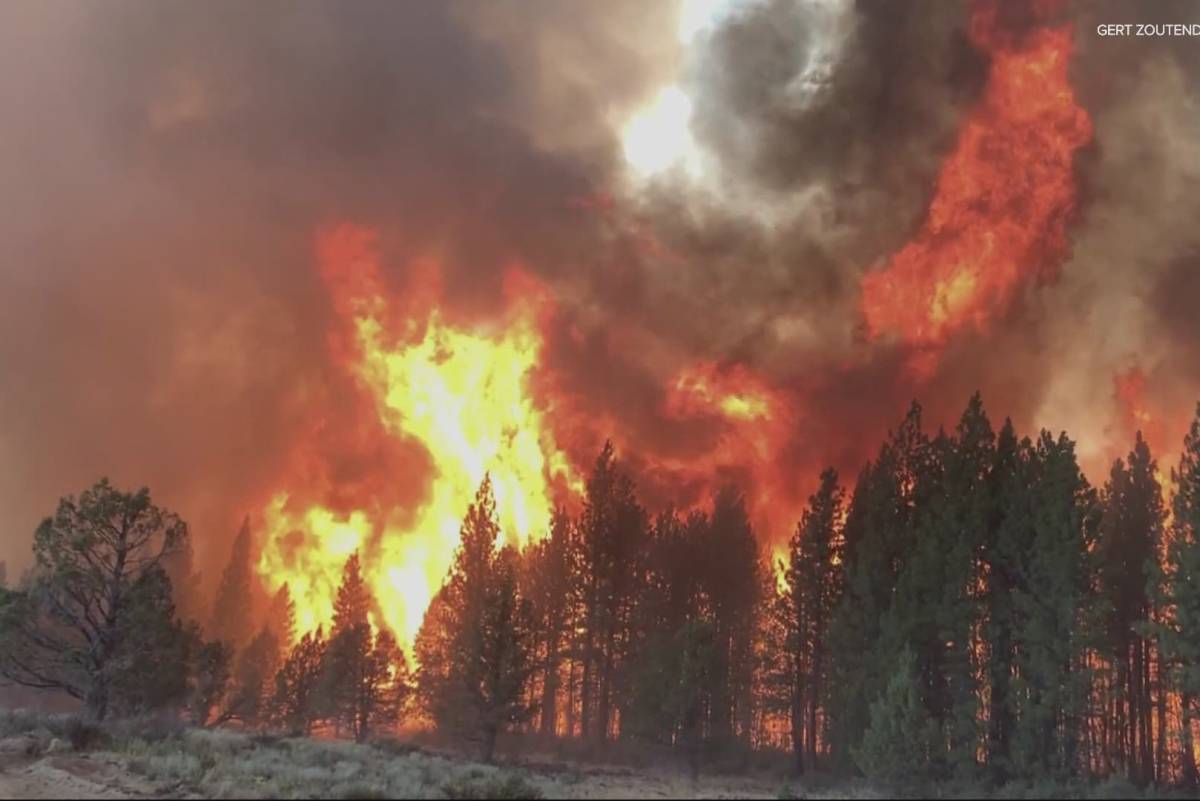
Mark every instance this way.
x=175 y=761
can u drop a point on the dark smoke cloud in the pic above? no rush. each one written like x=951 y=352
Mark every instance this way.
x=165 y=168
x=1117 y=303
x=166 y=165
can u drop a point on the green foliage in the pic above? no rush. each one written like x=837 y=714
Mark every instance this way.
x=878 y=540
x=98 y=571
x=209 y=677
x=230 y=622
x=1056 y=614
x=612 y=532
x=281 y=618
x=1178 y=629
x=815 y=583
x=505 y=785
x=153 y=654
x=295 y=705
x=475 y=646
x=254 y=671
x=899 y=744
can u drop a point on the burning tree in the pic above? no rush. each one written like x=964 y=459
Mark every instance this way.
x=475 y=646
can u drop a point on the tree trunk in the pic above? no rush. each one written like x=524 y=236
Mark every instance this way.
x=1189 y=754
x=798 y=717
x=1160 y=748
x=585 y=692
x=1147 y=758
x=550 y=690
x=571 y=682
x=489 y=742
x=814 y=693
x=96 y=703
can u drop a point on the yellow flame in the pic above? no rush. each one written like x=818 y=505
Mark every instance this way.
x=464 y=397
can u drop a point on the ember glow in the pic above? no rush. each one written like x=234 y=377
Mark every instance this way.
x=1004 y=196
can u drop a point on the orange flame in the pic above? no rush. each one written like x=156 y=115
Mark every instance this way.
x=1003 y=198
x=463 y=396
x=755 y=420
x=1163 y=428
x=1130 y=391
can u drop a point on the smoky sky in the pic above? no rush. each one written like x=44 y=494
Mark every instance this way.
x=165 y=166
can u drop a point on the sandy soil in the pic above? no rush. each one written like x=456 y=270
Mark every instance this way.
x=70 y=776
x=34 y=765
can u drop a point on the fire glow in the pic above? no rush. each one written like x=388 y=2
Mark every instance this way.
x=464 y=397
x=1003 y=199
x=465 y=394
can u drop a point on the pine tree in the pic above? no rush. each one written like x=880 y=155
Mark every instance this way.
x=1006 y=552
x=671 y=599
x=231 y=621
x=1179 y=631
x=357 y=686
x=506 y=655
x=613 y=535
x=353 y=603
x=253 y=675
x=295 y=704
x=546 y=583
x=899 y=742
x=730 y=584
x=65 y=629
x=186 y=590
x=1057 y=611
x=814 y=587
x=1134 y=517
x=154 y=651
x=209 y=679
x=474 y=647
x=281 y=618
x=878 y=540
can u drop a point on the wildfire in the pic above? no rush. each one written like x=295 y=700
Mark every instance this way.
x=754 y=420
x=464 y=396
x=1130 y=390
x=1162 y=428
x=1003 y=198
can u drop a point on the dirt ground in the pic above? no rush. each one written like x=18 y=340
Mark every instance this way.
x=218 y=764
x=70 y=776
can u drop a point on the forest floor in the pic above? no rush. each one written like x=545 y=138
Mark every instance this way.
x=54 y=757
x=39 y=759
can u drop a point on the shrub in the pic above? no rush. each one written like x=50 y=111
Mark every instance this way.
x=360 y=790
x=896 y=747
x=500 y=785
x=83 y=735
